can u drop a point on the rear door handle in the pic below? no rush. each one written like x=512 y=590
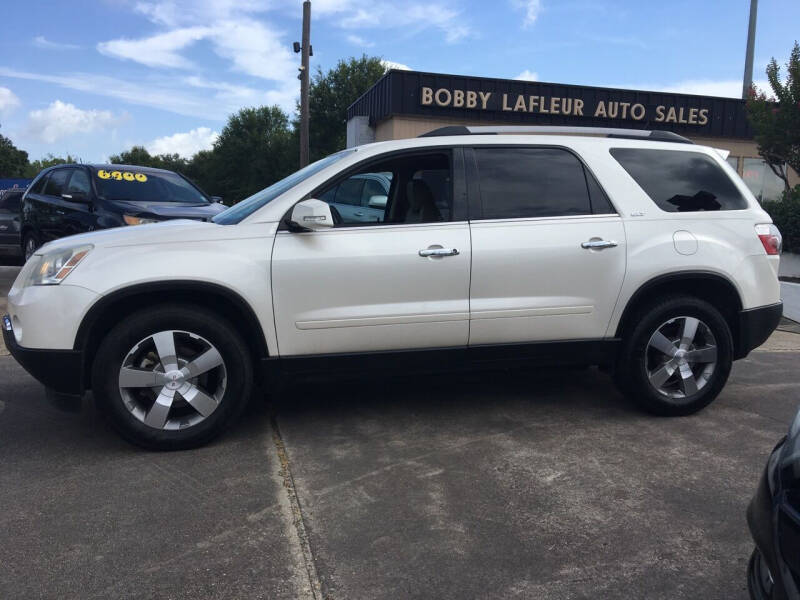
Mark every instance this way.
x=438 y=251
x=598 y=244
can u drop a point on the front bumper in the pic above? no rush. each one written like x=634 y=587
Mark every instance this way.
x=59 y=370
x=755 y=326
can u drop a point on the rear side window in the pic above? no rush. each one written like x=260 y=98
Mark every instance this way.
x=531 y=182
x=55 y=184
x=10 y=201
x=679 y=181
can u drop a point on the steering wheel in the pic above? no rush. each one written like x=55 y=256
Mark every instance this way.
x=337 y=218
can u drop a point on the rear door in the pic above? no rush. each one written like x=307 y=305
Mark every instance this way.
x=548 y=249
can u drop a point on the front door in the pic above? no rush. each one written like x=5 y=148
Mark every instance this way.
x=548 y=248
x=399 y=282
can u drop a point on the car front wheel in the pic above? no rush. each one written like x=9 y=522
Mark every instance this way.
x=172 y=377
x=677 y=357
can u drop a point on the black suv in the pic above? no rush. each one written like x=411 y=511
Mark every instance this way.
x=70 y=199
x=9 y=221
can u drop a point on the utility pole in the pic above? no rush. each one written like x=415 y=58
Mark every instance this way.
x=751 y=42
x=304 y=114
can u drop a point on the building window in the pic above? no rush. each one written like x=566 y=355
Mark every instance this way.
x=765 y=185
x=734 y=162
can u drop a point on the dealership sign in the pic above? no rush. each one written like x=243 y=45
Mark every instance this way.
x=562 y=106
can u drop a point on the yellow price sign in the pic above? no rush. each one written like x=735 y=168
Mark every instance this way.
x=122 y=175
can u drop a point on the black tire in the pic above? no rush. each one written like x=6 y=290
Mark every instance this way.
x=631 y=374
x=236 y=384
x=758 y=581
x=29 y=241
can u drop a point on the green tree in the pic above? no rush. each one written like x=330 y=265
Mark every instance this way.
x=254 y=149
x=13 y=161
x=329 y=96
x=139 y=156
x=49 y=160
x=776 y=120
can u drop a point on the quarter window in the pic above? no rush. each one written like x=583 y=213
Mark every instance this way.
x=680 y=181
x=532 y=182
x=55 y=184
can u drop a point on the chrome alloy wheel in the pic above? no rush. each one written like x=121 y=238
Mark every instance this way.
x=172 y=380
x=681 y=357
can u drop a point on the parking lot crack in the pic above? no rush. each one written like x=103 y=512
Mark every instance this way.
x=296 y=529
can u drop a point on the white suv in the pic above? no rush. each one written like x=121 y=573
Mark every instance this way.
x=637 y=251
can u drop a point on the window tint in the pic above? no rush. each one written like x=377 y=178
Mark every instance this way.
x=79 y=183
x=601 y=205
x=55 y=184
x=531 y=182
x=38 y=187
x=406 y=189
x=679 y=181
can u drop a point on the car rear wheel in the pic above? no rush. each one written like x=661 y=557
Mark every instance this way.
x=30 y=244
x=172 y=377
x=677 y=357
x=759 y=579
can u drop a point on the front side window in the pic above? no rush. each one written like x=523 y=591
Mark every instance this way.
x=762 y=180
x=56 y=182
x=79 y=183
x=680 y=181
x=133 y=185
x=531 y=182
x=405 y=189
x=38 y=185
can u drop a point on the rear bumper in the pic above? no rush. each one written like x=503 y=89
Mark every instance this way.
x=59 y=370
x=755 y=326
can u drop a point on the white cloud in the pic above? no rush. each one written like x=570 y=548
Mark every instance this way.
x=42 y=42
x=726 y=88
x=8 y=101
x=532 y=8
x=156 y=51
x=410 y=17
x=389 y=64
x=60 y=120
x=528 y=75
x=357 y=40
x=185 y=144
x=164 y=93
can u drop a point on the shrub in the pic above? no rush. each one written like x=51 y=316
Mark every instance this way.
x=786 y=215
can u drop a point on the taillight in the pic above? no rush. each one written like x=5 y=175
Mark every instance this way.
x=770 y=238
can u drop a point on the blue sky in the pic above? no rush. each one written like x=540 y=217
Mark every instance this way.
x=94 y=78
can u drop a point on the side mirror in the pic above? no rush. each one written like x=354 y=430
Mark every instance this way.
x=81 y=197
x=217 y=199
x=377 y=202
x=311 y=215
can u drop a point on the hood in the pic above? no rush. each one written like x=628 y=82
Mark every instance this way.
x=175 y=230
x=170 y=210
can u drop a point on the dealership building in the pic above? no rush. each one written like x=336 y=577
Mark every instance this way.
x=405 y=104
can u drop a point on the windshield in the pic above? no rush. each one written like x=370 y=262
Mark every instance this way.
x=132 y=185
x=248 y=206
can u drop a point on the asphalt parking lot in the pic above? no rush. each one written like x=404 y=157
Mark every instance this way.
x=497 y=485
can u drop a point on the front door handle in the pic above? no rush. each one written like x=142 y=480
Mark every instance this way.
x=598 y=244
x=438 y=251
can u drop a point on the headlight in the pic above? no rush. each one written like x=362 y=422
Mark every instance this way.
x=53 y=267
x=131 y=220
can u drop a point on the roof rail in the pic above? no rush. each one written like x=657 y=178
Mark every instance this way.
x=612 y=132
